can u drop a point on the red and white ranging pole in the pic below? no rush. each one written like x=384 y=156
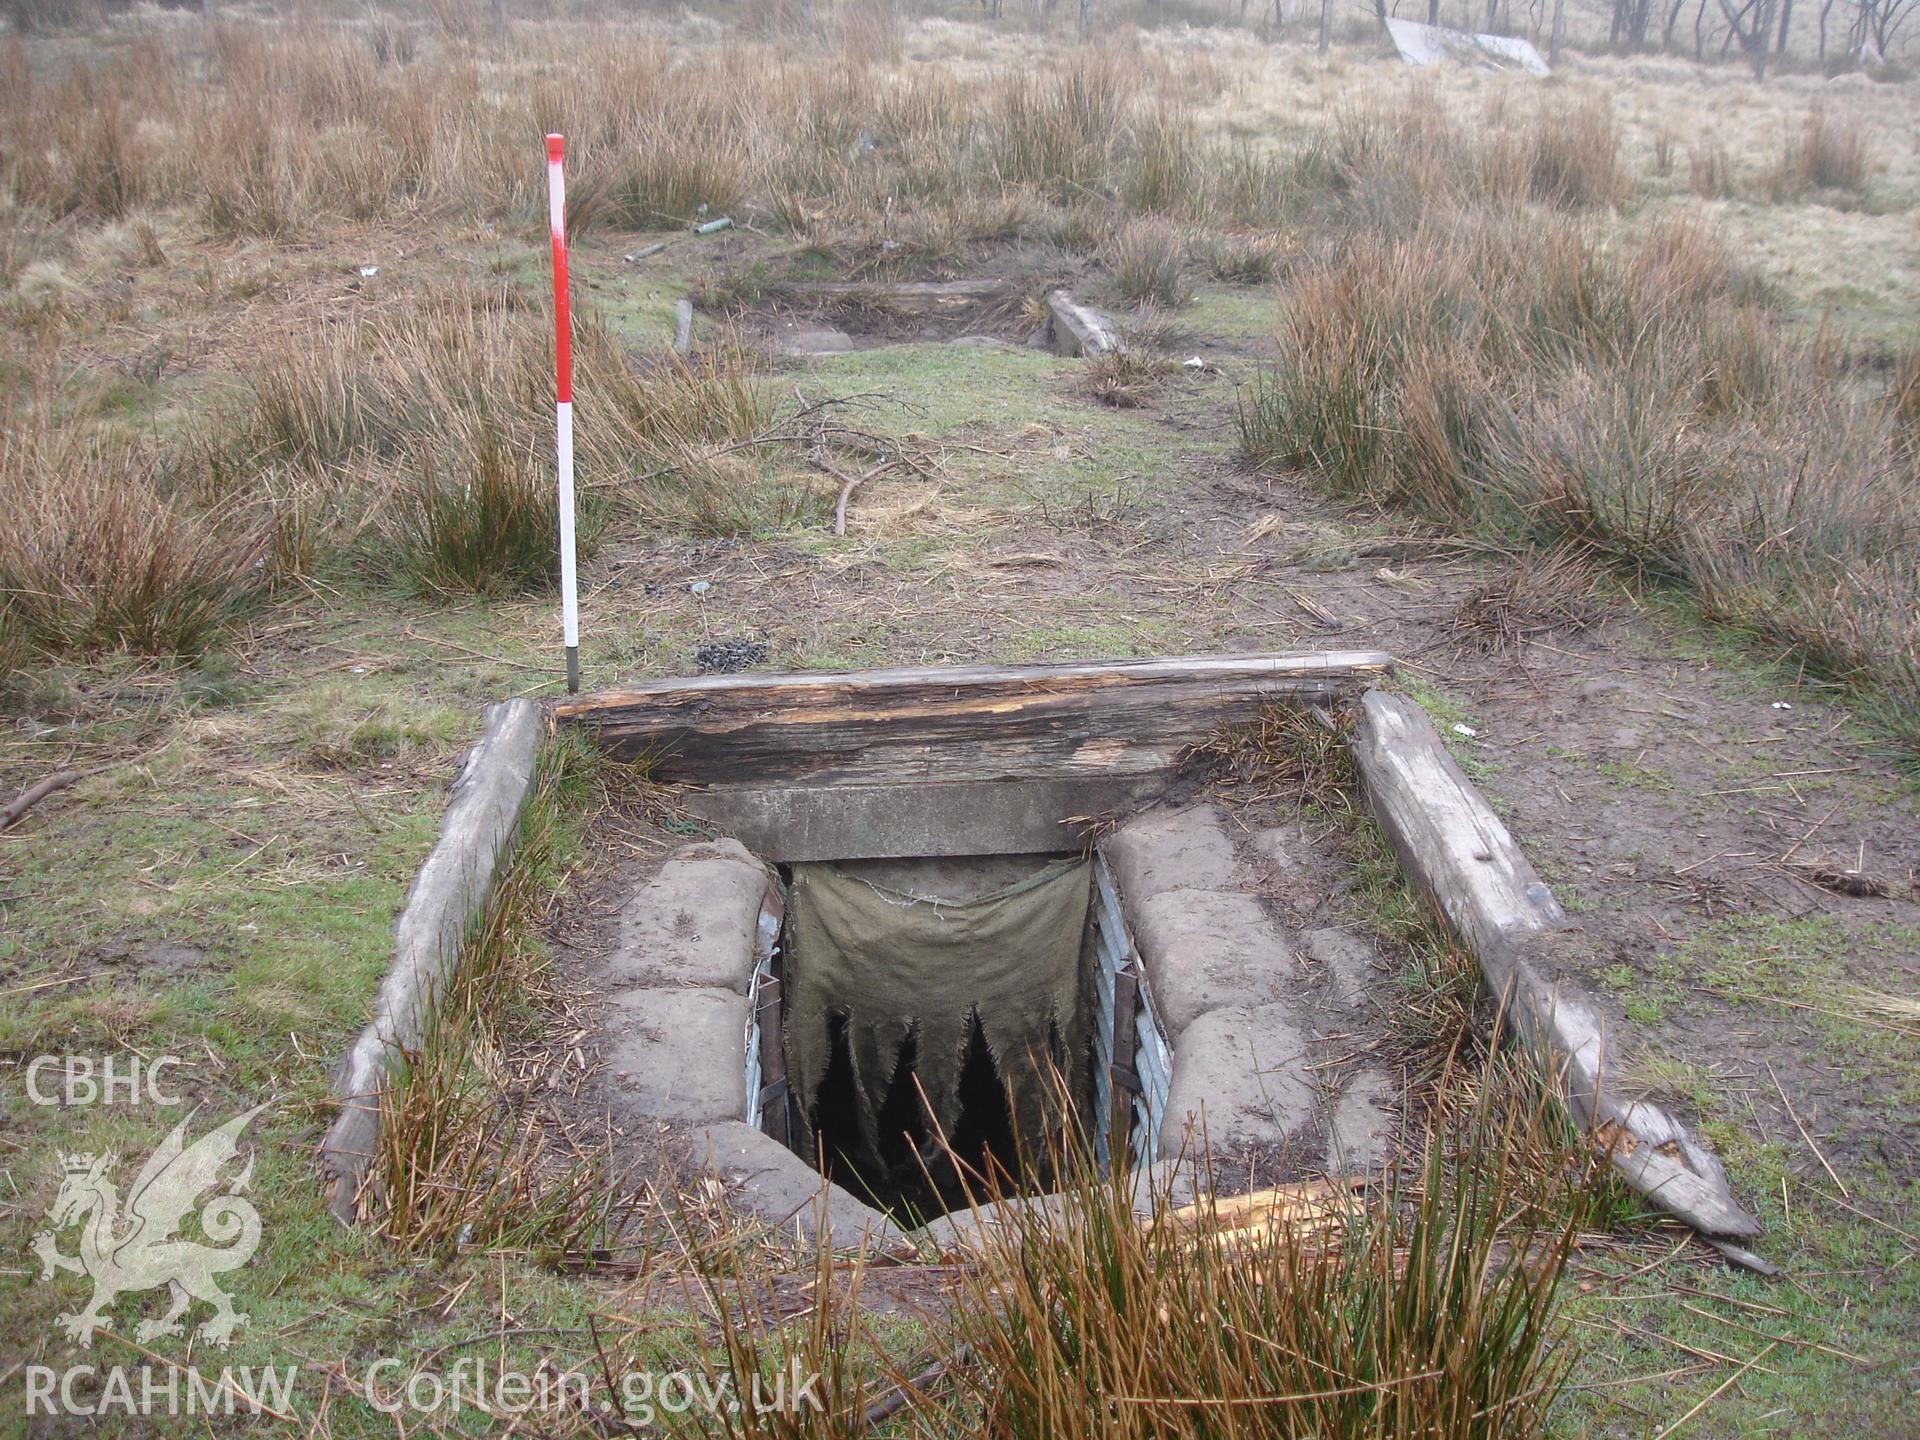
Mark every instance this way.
x=563 y=405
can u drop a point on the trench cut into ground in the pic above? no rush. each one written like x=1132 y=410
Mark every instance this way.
x=937 y=1025
x=920 y=968
x=946 y=999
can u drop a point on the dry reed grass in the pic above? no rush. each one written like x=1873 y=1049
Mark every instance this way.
x=1148 y=263
x=1516 y=377
x=1429 y=1310
x=99 y=552
x=295 y=123
x=1829 y=152
x=450 y=395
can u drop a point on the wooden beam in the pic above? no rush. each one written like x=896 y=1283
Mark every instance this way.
x=1079 y=330
x=1456 y=850
x=950 y=724
x=447 y=900
x=910 y=292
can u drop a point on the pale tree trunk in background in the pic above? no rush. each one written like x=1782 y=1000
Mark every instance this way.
x=1433 y=12
x=1326 y=25
x=1673 y=19
x=1559 y=31
x=1086 y=20
x=1762 y=24
x=1786 y=18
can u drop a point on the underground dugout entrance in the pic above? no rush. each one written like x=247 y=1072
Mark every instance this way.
x=931 y=1032
x=945 y=988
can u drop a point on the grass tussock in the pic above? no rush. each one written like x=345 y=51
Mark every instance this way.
x=1148 y=262
x=453 y=397
x=1571 y=155
x=100 y=553
x=1126 y=378
x=1241 y=259
x=1828 y=152
x=491 y=530
x=1301 y=754
x=1542 y=592
x=1640 y=407
x=1427 y=1310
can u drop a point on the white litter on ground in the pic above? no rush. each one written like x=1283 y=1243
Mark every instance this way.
x=1435 y=45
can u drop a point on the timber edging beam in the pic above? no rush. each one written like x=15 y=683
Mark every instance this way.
x=448 y=897
x=1456 y=851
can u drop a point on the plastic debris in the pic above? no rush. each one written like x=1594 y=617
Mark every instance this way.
x=700 y=587
x=1466 y=730
x=713 y=227
x=1194 y=362
x=367 y=272
x=1783 y=705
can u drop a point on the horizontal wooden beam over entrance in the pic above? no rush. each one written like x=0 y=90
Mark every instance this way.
x=966 y=759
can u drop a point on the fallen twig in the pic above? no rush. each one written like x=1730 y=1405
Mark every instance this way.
x=31 y=796
x=1803 y=1133
x=848 y=484
x=1718 y=1391
x=898 y=1399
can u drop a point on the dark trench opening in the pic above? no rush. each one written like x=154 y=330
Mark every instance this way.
x=917 y=1176
x=884 y=1142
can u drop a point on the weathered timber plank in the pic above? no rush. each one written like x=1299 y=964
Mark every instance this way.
x=448 y=896
x=1455 y=850
x=953 y=740
x=1079 y=330
x=955 y=723
x=910 y=292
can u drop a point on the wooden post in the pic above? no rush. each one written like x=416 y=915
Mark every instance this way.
x=1123 y=1073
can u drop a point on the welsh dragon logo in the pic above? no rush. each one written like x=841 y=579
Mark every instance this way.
x=135 y=1249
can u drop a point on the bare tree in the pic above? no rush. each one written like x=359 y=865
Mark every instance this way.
x=1086 y=20
x=1746 y=24
x=1559 y=31
x=1326 y=25
x=1673 y=19
x=1875 y=26
x=1630 y=19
